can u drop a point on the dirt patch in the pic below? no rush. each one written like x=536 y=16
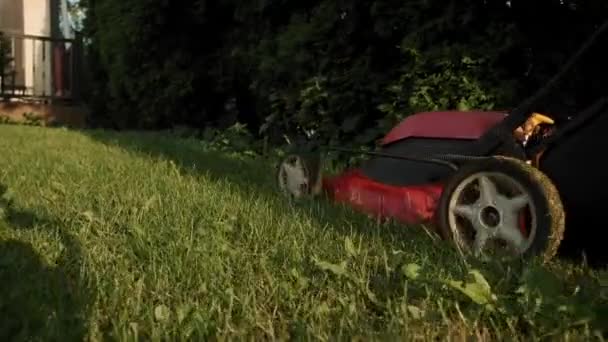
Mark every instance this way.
x=70 y=115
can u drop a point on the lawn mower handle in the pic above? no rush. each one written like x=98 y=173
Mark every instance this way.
x=449 y=160
x=578 y=121
x=431 y=159
x=502 y=133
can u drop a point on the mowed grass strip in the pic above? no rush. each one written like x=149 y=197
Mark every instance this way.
x=128 y=236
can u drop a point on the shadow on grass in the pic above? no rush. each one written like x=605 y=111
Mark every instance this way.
x=189 y=156
x=41 y=301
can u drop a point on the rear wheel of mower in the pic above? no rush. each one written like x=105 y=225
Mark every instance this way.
x=505 y=204
x=299 y=176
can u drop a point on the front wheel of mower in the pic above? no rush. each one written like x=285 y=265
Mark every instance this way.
x=502 y=204
x=299 y=175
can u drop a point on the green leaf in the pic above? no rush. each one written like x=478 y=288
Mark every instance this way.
x=350 y=247
x=89 y=215
x=323 y=309
x=264 y=127
x=337 y=269
x=385 y=107
x=183 y=312
x=149 y=203
x=463 y=105
x=372 y=297
x=478 y=290
x=415 y=312
x=161 y=313
x=396 y=88
x=411 y=271
x=467 y=60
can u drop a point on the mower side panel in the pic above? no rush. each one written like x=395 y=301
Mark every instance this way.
x=407 y=204
x=447 y=125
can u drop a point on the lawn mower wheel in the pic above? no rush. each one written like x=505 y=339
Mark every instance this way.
x=299 y=175
x=502 y=202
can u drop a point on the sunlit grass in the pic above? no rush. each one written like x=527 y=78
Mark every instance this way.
x=140 y=235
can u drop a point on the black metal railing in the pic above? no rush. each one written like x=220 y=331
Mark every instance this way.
x=39 y=67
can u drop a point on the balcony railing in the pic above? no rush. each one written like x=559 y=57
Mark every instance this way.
x=38 y=67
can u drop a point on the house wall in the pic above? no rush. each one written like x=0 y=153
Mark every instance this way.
x=11 y=19
x=11 y=15
x=32 y=57
x=37 y=17
x=36 y=21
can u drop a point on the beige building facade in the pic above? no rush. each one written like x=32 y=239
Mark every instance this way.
x=32 y=57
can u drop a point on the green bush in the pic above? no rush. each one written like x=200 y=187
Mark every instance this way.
x=5 y=57
x=345 y=71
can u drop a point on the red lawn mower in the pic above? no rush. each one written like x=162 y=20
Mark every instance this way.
x=488 y=181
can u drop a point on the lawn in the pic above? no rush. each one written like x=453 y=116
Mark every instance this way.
x=127 y=236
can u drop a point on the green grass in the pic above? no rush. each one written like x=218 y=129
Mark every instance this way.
x=143 y=236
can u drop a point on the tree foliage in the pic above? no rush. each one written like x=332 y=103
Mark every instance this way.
x=344 y=69
x=5 y=57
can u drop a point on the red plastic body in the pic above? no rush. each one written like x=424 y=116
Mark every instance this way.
x=410 y=205
x=416 y=203
x=450 y=124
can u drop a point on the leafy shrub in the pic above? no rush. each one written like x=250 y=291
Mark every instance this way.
x=323 y=71
x=5 y=57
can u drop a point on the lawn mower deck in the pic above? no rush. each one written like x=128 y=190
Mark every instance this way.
x=429 y=152
x=409 y=190
x=426 y=171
